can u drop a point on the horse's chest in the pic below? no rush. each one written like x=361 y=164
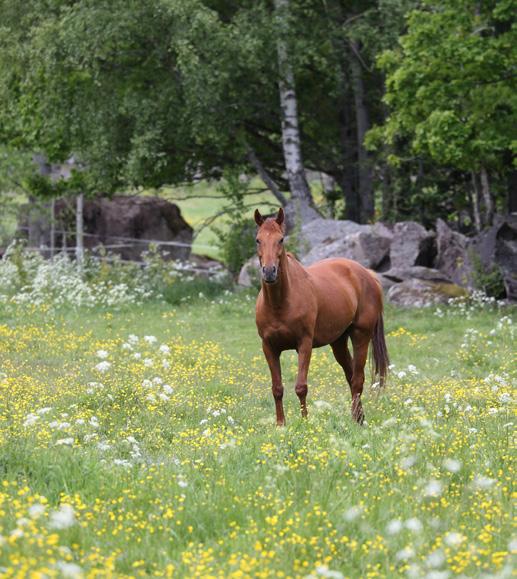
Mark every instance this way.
x=281 y=334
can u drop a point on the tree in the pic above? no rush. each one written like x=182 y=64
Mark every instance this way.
x=451 y=91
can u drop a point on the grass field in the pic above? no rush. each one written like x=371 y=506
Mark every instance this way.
x=141 y=442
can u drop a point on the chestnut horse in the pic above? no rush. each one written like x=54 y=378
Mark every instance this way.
x=302 y=308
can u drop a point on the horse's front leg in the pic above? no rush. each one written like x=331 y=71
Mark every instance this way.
x=273 y=360
x=304 y=359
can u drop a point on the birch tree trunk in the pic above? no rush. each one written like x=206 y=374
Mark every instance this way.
x=487 y=197
x=475 y=202
x=367 y=202
x=79 y=229
x=52 y=227
x=301 y=205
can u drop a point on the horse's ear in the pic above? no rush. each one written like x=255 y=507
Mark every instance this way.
x=280 y=217
x=259 y=220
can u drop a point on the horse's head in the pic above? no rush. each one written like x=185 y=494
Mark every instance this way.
x=270 y=244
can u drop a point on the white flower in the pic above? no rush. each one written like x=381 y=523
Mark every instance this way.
x=45 y=410
x=36 y=510
x=453 y=539
x=69 y=569
x=103 y=366
x=324 y=571
x=353 y=513
x=483 y=482
x=103 y=446
x=103 y=354
x=163 y=397
x=412 y=369
x=63 y=518
x=204 y=421
x=94 y=421
x=166 y=364
x=65 y=441
x=137 y=355
x=401 y=374
x=451 y=464
x=30 y=419
x=150 y=339
x=505 y=398
x=404 y=554
x=433 y=488
x=230 y=420
x=394 y=527
x=182 y=482
x=122 y=462
x=436 y=558
x=408 y=462
x=132 y=339
x=322 y=405
x=414 y=525
x=148 y=362
x=168 y=389
x=157 y=380
x=164 y=349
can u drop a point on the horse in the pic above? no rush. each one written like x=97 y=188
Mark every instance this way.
x=301 y=308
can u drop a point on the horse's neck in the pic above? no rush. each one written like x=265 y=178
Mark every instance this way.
x=277 y=294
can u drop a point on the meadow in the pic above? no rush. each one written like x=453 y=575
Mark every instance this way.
x=140 y=441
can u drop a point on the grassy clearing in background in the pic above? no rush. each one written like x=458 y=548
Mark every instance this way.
x=142 y=442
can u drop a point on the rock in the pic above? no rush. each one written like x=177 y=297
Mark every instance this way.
x=128 y=222
x=453 y=255
x=498 y=246
x=412 y=245
x=400 y=274
x=365 y=247
x=249 y=275
x=421 y=293
x=326 y=231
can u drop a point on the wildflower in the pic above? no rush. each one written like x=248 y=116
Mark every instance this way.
x=103 y=366
x=433 y=488
x=322 y=405
x=164 y=349
x=69 y=569
x=62 y=518
x=30 y=420
x=404 y=554
x=132 y=339
x=483 y=482
x=65 y=442
x=148 y=362
x=324 y=571
x=408 y=462
x=414 y=525
x=436 y=558
x=43 y=411
x=36 y=510
x=168 y=389
x=353 y=513
x=182 y=482
x=453 y=539
x=451 y=464
x=394 y=527
x=103 y=354
x=150 y=339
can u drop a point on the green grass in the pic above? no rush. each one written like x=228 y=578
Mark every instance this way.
x=211 y=488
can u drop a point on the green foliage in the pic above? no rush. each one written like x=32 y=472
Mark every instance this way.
x=450 y=86
x=489 y=280
x=190 y=289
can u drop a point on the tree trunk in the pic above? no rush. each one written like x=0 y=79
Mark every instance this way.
x=475 y=203
x=487 y=197
x=52 y=227
x=301 y=206
x=79 y=229
x=266 y=177
x=367 y=202
x=512 y=192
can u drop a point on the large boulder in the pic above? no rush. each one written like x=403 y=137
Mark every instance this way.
x=126 y=225
x=497 y=246
x=249 y=275
x=421 y=293
x=412 y=245
x=453 y=255
x=365 y=247
x=324 y=238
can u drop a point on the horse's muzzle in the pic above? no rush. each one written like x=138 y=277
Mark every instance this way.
x=270 y=273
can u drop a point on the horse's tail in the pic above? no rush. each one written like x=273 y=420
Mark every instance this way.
x=380 y=351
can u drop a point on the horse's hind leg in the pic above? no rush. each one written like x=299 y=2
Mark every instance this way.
x=360 y=342
x=343 y=357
